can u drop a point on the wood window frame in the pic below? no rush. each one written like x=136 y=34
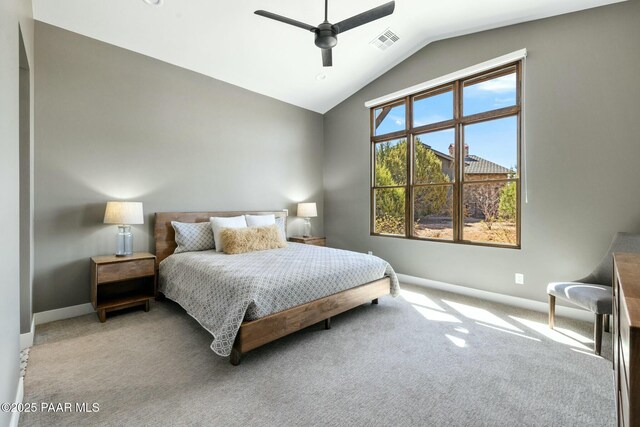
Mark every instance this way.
x=457 y=124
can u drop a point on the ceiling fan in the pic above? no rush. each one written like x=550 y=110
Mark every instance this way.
x=327 y=33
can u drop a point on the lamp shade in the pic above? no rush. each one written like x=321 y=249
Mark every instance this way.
x=123 y=213
x=307 y=210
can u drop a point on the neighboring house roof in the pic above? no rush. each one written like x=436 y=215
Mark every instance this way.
x=478 y=165
x=474 y=164
x=440 y=154
x=436 y=152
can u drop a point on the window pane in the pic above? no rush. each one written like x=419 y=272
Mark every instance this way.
x=416 y=144
x=389 y=211
x=391 y=118
x=490 y=212
x=391 y=163
x=491 y=149
x=432 y=109
x=434 y=157
x=433 y=212
x=489 y=94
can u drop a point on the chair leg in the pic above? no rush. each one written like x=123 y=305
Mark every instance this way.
x=597 y=334
x=607 y=321
x=552 y=311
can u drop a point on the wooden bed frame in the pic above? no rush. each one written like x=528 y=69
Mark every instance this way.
x=255 y=333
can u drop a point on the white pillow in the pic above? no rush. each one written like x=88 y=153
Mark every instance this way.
x=193 y=236
x=218 y=223
x=265 y=220
x=260 y=220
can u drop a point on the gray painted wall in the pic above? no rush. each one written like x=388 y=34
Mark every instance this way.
x=13 y=13
x=26 y=191
x=583 y=148
x=113 y=124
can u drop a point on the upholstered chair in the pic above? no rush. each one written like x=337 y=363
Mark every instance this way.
x=594 y=292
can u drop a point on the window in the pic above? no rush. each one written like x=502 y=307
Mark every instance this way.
x=445 y=162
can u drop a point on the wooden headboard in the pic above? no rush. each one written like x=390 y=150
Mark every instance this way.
x=165 y=236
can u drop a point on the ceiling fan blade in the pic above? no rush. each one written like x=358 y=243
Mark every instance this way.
x=327 y=58
x=286 y=20
x=365 y=17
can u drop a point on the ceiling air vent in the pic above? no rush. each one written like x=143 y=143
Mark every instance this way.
x=385 y=40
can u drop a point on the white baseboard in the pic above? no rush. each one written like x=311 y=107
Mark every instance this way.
x=15 y=416
x=572 y=313
x=63 y=313
x=26 y=339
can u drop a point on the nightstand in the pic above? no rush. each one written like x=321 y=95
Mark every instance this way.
x=311 y=240
x=119 y=282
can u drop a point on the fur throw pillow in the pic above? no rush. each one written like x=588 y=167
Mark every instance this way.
x=242 y=240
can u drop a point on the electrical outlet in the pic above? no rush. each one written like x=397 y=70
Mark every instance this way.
x=519 y=279
x=370 y=252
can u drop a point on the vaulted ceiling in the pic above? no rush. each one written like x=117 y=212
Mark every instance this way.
x=227 y=41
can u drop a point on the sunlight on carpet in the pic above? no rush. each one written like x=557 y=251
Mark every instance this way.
x=425 y=358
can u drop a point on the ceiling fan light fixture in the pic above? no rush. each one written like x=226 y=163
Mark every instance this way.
x=326 y=36
x=326 y=32
x=154 y=2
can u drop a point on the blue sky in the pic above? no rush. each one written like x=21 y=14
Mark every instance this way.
x=490 y=95
x=394 y=121
x=433 y=109
x=495 y=140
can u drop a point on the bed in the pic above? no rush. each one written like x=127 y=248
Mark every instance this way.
x=248 y=300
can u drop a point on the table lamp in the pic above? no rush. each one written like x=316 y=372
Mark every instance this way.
x=307 y=211
x=124 y=214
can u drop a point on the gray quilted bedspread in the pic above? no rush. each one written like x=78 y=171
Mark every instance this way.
x=220 y=291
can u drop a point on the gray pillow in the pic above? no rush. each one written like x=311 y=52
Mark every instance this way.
x=193 y=236
x=280 y=223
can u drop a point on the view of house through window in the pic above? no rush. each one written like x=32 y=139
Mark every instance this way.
x=445 y=163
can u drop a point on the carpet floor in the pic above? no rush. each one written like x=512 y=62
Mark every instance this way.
x=427 y=358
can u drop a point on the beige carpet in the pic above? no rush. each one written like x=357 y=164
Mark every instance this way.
x=426 y=358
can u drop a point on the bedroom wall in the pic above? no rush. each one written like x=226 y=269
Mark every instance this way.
x=113 y=124
x=14 y=14
x=583 y=147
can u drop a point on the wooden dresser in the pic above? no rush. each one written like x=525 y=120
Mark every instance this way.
x=626 y=337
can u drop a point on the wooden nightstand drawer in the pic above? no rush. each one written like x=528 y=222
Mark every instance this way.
x=311 y=240
x=124 y=271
